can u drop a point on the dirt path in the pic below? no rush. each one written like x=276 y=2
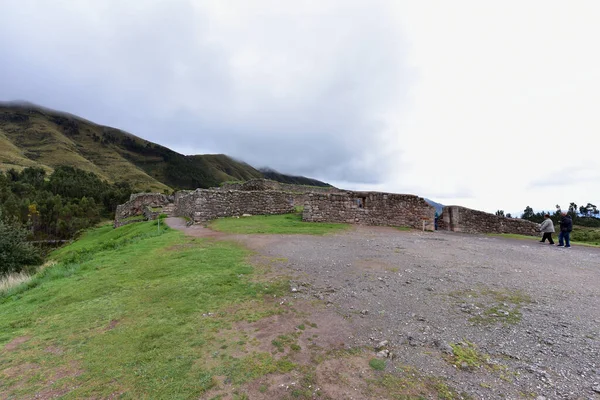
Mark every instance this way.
x=531 y=311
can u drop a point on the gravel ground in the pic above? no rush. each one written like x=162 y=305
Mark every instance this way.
x=532 y=309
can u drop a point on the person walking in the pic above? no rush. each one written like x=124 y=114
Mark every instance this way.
x=566 y=226
x=547 y=228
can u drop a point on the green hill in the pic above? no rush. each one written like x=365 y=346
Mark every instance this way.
x=35 y=136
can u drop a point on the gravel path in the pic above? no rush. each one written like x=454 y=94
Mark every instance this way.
x=533 y=310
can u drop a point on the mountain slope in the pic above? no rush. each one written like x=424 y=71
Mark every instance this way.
x=35 y=136
x=297 y=180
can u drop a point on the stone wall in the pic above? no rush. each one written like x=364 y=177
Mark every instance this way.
x=205 y=204
x=138 y=202
x=369 y=208
x=462 y=219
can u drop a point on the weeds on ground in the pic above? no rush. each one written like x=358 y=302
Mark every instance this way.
x=466 y=356
x=494 y=306
x=409 y=383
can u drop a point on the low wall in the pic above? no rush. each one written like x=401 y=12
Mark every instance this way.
x=138 y=202
x=462 y=219
x=205 y=204
x=369 y=208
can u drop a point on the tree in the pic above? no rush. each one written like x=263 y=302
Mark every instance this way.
x=528 y=213
x=500 y=213
x=16 y=254
x=508 y=215
x=591 y=209
x=572 y=210
x=583 y=210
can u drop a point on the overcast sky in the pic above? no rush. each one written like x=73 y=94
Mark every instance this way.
x=491 y=105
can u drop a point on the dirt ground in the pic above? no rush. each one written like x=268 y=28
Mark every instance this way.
x=490 y=317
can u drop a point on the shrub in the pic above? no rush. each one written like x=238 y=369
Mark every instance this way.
x=16 y=254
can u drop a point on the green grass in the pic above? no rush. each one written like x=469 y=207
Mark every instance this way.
x=377 y=364
x=581 y=236
x=124 y=312
x=467 y=356
x=133 y=218
x=408 y=383
x=274 y=224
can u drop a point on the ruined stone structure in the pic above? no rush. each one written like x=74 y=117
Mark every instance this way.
x=370 y=208
x=144 y=205
x=264 y=197
x=299 y=192
x=462 y=219
x=203 y=205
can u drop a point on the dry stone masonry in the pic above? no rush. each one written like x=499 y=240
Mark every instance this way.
x=299 y=192
x=264 y=197
x=203 y=205
x=462 y=219
x=140 y=204
x=370 y=208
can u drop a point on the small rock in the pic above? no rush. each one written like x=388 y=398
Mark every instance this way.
x=444 y=347
x=596 y=388
x=294 y=290
x=364 y=312
x=381 y=344
x=383 y=354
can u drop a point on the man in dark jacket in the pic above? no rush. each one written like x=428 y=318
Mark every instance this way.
x=566 y=226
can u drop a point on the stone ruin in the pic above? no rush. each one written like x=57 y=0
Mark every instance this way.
x=462 y=219
x=320 y=204
x=370 y=208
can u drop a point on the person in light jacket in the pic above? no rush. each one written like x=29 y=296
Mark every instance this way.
x=547 y=228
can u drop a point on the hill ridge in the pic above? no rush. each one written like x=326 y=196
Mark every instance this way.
x=33 y=135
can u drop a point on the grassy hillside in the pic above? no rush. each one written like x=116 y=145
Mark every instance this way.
x=138 y=295
x=33 y=136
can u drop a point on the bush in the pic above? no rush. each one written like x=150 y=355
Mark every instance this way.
x=16 y=254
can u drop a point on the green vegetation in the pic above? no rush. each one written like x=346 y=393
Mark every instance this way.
x=16 y=253
x=581 y=236
x=274 y=224
x=137 y=312
x=59 y=205
x=466 y=356
x=409 y=383
x=296 y=180
x=583 y=216
x=377 y=364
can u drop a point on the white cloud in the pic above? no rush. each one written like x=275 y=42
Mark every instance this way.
x=485 y=104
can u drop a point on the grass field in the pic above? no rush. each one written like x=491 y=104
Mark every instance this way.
x=124 y=312
x=138 y=313
x=270 y=224
x=581 y=236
